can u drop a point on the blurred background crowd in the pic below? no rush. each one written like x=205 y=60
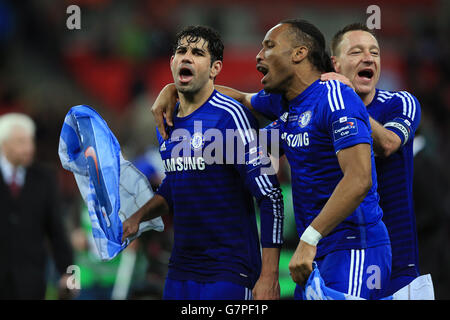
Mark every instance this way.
x=119 y=60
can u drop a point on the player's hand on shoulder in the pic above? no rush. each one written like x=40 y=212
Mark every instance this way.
x=336 y=76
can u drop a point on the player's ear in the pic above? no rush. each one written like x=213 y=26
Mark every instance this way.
x=171 y=61
x=216 y=67
x=299 y=53
x=336 y=64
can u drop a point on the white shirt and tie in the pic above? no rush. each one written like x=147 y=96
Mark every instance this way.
x=14 y=177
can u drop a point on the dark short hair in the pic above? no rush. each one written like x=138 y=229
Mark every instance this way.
x=309 y=35
x=351 y=27
x=195 y=33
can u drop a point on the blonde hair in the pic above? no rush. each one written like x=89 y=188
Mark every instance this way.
x=9 y=121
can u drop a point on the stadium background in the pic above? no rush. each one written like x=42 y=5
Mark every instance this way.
x=119 y=60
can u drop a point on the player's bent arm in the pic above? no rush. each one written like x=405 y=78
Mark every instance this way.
x=155 y=207
x=355 y=163
x=242 y=97
x=385 y=142
x=164 y=107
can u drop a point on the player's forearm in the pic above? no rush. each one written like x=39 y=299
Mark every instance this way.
x=242 y=97
x=347 y=196
x=268 y=287
x=167 y=94
x=155 y=207
x=385 y=142
x=270 y=263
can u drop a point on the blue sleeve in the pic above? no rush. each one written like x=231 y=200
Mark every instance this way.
x=159 y=137
x=269 y=105
x=164 y=188
x=404 y=117
x=254 y=166
x=164 y=191
x=270 y=138
x=144 y=166
x=345 y=117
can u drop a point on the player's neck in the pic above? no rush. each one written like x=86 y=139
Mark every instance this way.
x=301 y=82
x=189 y=102
x=368 y=97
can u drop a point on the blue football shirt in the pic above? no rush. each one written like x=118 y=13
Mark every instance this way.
x=271 y=106
x=324 y=119
x=214 y=167
x=399 y=112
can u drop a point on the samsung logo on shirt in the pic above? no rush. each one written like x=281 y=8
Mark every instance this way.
x=296 y=140
x=184 y=164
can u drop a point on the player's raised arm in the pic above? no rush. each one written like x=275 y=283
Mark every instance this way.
x=268 y=105
x=400 y=127
x=164 y=107
x=243 y=97
x=385 y=142
x=336 y=76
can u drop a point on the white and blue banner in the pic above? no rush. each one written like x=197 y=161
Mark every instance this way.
x=111 y=186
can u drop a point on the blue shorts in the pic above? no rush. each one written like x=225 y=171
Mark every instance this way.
x=194 y=290
x=364 y=273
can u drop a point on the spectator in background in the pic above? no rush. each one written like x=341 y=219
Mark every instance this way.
x=29 y=214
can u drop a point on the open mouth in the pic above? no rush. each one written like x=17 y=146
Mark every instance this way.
x=186 y=74
x=366 y=73
x=264 y=70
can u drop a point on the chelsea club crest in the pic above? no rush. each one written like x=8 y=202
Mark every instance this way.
x=304 y=119
x=197 y=141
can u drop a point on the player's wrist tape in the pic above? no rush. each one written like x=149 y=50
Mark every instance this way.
x=311 y=236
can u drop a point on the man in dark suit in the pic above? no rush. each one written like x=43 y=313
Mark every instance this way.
x=30 y=219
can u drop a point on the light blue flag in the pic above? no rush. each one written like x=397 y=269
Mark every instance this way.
x=315 y=289
x=111 y=186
